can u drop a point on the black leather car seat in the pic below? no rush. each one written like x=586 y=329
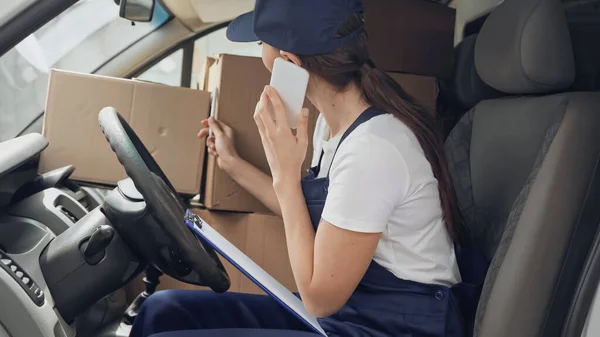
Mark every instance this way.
x=525 y=170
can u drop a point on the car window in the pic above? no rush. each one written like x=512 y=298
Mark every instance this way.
x=217 y=43
x=169 y=70
x=80 y=39
x=166 y=71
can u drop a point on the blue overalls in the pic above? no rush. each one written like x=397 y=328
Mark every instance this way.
x=381 y=306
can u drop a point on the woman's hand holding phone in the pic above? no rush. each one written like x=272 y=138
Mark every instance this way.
x=221 y=144
x=285 y=151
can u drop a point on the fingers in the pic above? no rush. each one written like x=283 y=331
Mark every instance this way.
x=265 y=114
x=210 y=145
x=215 y=126
x=280 y=114
x=228 y=130
x=258 y=120
x=206 y=130
x=203 y=133
x=302 y=127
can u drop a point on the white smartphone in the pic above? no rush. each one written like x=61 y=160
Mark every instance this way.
x=290 y=82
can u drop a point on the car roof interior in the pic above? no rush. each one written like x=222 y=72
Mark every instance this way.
x=195 y=14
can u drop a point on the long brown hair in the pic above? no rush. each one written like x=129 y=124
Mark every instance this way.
x=351 y=64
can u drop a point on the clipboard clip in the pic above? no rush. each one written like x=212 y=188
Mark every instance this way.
x=192 y=219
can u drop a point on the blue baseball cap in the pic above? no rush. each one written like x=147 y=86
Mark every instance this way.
x=303 y=27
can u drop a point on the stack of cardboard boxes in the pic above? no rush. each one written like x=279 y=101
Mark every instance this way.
x=167 y=120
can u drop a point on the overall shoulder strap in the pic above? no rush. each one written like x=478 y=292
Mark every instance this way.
x=318 y=167
x=365 y=116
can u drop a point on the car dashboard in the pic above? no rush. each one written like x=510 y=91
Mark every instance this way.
x=34 y=210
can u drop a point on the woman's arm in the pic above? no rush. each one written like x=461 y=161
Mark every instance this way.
x=221 y=145
x=255 y=181
x=328 y=266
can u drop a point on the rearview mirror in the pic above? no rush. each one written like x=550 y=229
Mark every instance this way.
x=137 y=10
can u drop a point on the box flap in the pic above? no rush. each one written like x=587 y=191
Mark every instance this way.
x=411 y=36
x=202 y=67
x=424 y=89
x=165 y=118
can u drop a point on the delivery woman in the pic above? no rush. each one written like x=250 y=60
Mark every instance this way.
x=369 y=230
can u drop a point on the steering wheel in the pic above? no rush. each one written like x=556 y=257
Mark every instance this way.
x=184 y=257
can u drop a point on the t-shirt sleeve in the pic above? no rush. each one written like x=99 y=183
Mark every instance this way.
x=368 y=179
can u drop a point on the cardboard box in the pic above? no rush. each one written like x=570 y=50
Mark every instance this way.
x=239 y=81
x=165 y=118
x=202 y=67
x=411 y=36
x=260 y=236
x=424 y=89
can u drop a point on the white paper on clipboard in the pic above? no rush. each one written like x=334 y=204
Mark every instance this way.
x=213 y=106
x=254 y=272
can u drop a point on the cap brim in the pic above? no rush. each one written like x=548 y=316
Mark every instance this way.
x=241 y=29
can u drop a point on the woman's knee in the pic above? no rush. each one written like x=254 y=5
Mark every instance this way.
x=162 y=303
x=169 y=302
x=157 y=314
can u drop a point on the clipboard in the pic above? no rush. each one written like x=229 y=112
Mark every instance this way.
x=253 y=271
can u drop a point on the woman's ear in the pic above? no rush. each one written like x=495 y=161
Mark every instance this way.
x=291 y=57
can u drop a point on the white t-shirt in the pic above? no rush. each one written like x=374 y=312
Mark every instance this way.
x=381 y=182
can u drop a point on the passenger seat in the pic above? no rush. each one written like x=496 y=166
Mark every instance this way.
x=464 y=88
x=525 y=169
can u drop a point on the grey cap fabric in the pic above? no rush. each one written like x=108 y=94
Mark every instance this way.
x=524 y=47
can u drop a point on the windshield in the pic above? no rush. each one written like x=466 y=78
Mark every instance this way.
x=81 y=39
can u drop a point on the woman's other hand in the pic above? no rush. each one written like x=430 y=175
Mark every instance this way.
x=221 y=144
x=285 y=151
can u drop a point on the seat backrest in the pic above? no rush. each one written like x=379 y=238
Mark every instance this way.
x=524 y=168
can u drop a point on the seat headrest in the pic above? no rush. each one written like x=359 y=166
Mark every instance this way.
x=466 y=85
x=524 y=47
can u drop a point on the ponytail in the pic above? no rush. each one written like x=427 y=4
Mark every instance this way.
x=351 y=65
x=381 y=91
